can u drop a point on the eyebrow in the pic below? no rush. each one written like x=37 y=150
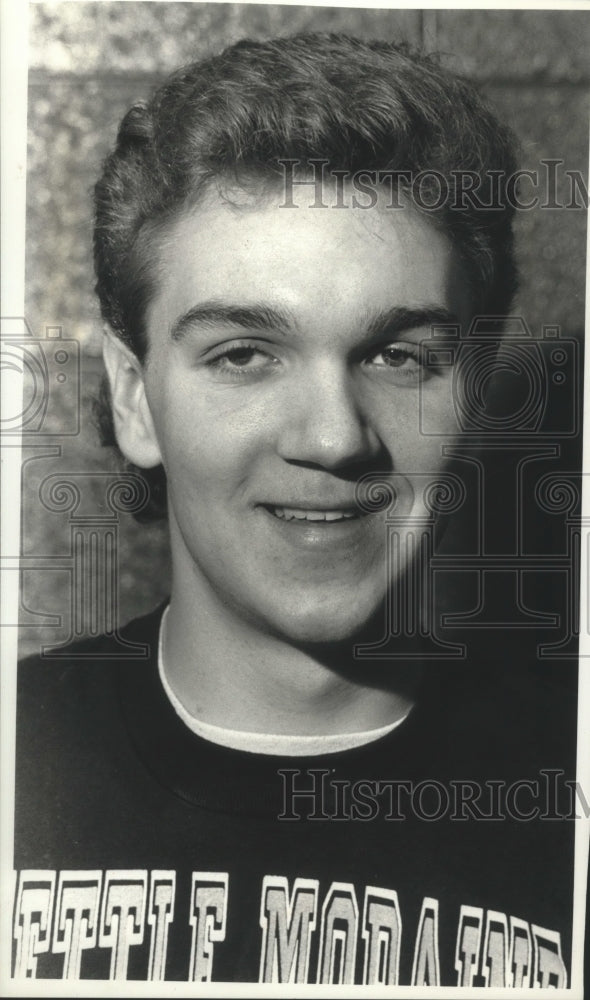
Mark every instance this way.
x=263 y=316
x=401 y=318
x=248 y=317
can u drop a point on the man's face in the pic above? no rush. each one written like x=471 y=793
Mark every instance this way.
x=283 y=365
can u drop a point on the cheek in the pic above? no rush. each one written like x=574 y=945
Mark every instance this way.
x=416 y=428
x=437 y=409
x=208 y=451
x=209 y=431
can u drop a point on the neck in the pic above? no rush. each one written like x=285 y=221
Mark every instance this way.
x=228 y=672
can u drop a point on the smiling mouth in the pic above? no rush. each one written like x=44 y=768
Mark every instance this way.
x=303 y=514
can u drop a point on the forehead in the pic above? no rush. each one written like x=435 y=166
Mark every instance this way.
x=341 y=262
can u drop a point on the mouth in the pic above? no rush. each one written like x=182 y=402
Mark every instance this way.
x=315 y=515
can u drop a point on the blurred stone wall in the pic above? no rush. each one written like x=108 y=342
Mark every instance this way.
x=90 y=60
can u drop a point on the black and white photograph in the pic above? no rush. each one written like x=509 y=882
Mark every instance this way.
x=295 y=630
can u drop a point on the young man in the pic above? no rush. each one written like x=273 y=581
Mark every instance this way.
x=255 y=796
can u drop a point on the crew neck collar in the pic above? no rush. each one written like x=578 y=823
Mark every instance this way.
x=270 y=744
x=219 y=778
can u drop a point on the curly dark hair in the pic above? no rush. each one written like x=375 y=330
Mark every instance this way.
x=358 y=105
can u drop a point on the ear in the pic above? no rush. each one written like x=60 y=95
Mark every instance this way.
x=134 y=427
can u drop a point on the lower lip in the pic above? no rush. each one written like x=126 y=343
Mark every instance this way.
x=319 y=533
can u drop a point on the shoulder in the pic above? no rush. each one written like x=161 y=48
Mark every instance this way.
x=72 y=743
x=64 y=689
x=506 y=719
x=137 y=641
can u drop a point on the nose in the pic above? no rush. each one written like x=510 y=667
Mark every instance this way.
x=324 y=423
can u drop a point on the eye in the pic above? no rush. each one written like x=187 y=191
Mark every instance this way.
x=395 y=356
x=241 y=361
x=401 y=360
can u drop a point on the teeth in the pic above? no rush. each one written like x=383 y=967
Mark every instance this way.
x=292 y=513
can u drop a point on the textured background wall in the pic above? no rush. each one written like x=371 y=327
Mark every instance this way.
x=89 y=61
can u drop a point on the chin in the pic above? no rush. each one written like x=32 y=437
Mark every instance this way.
x=319 y=625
